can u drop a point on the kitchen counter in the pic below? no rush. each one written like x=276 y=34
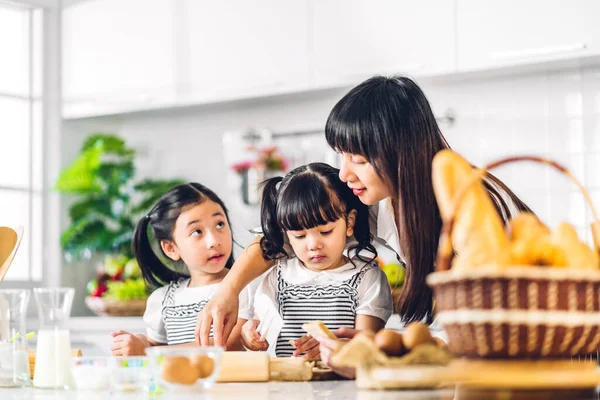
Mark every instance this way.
x=334 y=390
x=330 y=390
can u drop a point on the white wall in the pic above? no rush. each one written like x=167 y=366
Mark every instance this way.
x=552 y=113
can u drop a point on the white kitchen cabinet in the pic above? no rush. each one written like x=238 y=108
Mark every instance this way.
x=118 y=51
x=239 y=46
x=496 y=33
x=354 y=39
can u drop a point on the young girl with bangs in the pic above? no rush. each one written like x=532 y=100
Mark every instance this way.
x=184 y=247
x=309 y=219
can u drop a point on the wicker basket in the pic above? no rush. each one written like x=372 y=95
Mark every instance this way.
x=116 y=308
x=517 y=312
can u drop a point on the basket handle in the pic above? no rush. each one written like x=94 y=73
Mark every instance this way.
x=445 y=251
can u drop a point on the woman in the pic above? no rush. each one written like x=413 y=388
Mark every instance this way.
x=387 y=136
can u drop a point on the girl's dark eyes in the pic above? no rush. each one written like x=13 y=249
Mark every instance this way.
x=220 y=224
x=196 y=232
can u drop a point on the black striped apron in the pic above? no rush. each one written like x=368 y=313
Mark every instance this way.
x=180 y=320
x=334 y=305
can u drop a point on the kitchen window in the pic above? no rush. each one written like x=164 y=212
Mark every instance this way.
x=28 y=120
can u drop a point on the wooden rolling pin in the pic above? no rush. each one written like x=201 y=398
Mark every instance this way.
x=244 y=366
x=250 y=366
x=31 y=354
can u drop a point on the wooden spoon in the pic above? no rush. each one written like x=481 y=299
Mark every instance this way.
x=9 y=244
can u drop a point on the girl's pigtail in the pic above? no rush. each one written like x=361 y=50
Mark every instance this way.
x=362 y=232
x=272 y=241
x=154 y=272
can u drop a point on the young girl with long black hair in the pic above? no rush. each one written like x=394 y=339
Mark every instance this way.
x=317 y=233
x=184 y=247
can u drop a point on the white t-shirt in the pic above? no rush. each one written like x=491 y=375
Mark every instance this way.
x=382 y=224
x=374 y=294
x=183 y=297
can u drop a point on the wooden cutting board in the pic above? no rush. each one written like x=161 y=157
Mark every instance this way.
x=543 y=374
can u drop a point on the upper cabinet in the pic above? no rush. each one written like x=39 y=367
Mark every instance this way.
x=356 y=38
x=117 y=51
x=496 y=33
x=240 y=46
x=132 y=55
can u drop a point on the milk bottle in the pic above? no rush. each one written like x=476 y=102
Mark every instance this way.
x=53 y=354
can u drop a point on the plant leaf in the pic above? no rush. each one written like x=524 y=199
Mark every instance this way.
x=90 y=205
x=80 y=176
x=83 y=233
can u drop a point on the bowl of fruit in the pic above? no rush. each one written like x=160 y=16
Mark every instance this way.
x=118 y=289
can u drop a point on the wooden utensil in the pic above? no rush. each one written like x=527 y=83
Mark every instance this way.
x=10 y=240
x=244 y=366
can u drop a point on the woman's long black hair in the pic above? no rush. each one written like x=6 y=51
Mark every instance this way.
x=390 y=122
x=161 y=221
x=309 y=196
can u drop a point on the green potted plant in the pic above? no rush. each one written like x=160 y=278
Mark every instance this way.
x=107 y=205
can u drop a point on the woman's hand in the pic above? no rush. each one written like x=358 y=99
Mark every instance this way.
x=221 y=313
x=128 y=344
x=308 y=346
x=328 y=346
x=250 y=338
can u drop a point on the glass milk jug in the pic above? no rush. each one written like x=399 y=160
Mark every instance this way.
x=53 y=354
x=14 y=362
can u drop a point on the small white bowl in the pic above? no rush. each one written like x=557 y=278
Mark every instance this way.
x=91 y=373
x=130 y=374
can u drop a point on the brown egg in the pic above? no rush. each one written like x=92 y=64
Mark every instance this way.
x=415 y=334
x=178 y=369
x=390 y=342
x=204 y=365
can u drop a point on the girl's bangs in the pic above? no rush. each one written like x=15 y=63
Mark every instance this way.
x=308 y=204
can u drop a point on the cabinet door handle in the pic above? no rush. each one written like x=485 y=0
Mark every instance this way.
x=538 y=52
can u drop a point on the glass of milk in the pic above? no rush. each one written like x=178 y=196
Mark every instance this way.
x=53 y=353
x=14 y=362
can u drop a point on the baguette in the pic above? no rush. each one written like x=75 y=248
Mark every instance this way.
x=318 y=330
x=478 y=236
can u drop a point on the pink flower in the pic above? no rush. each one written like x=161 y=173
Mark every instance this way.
x=268 y=158
x=242 y=166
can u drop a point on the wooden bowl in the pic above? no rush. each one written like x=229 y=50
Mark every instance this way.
x=519 y=312
x=116 y=308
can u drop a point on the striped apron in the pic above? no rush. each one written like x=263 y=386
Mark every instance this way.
x=180 y=320
x=334 y=305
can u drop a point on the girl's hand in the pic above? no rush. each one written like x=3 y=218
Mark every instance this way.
x=308 y=346
x=221 y=313
x=250 y=338
x=128 y=344
x=328 y=346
